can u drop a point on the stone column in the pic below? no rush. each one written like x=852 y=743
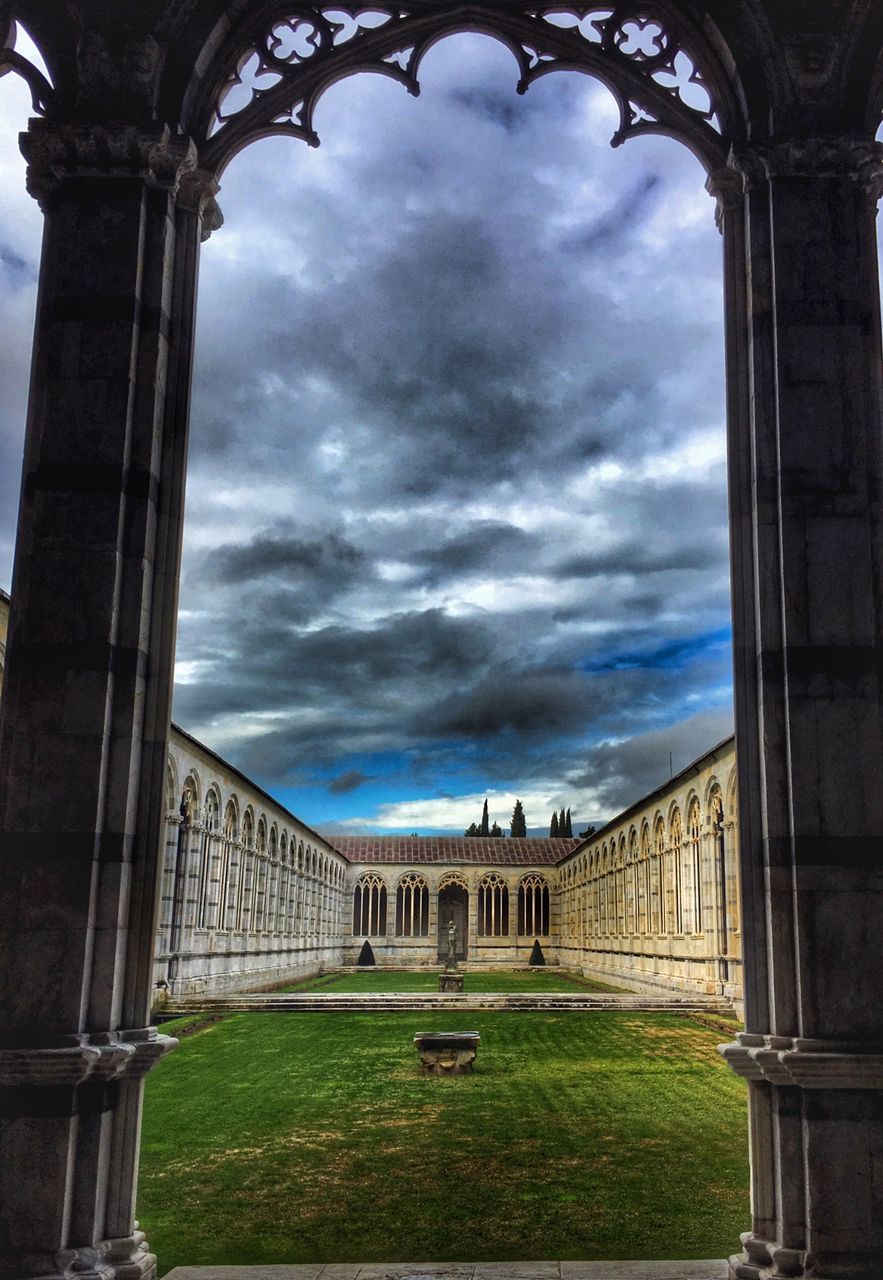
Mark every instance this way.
x=805 y=475
x=87 y=693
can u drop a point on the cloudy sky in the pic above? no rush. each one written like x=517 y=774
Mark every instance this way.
x=456 y=501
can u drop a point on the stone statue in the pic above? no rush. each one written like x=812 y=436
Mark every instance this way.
x=452 y=945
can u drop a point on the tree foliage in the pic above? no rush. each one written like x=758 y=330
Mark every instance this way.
x=518 y=826
x=553 y=826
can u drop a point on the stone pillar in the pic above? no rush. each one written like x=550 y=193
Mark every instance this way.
x=87 y=692
x=805 y=476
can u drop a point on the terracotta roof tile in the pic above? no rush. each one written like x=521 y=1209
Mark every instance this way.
x=473 y=850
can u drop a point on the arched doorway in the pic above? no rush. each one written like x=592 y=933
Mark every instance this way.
x=453 y=904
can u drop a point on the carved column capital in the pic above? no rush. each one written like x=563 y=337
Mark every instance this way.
x=836 y=156
x=58 y=151
x=197 y=190
x=727 y=187
x=807 y=1064
x=73 y=1059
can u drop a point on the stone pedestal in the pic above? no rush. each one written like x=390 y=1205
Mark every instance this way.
x=450 y=980
x=447 y=1053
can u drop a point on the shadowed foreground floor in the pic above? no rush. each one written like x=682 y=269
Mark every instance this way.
x=701 y=1269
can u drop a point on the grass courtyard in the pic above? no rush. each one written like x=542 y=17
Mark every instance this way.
x=539 y=979
x=274 y=1137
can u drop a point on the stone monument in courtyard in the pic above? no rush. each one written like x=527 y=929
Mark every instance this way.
x=450 y=978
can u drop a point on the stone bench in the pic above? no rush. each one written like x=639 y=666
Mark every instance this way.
x=447 y=1053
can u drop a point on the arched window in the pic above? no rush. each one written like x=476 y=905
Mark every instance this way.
x=369 y=907
x=533 y=907
x=645 y=899
x=171 y=788
x=412 y=907
x=694 y=823
x=677 y=894
x=210 y=862
x=493 y=906
x=662 y=878
x=632 y=886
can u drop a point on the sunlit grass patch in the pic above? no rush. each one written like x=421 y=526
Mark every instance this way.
x=302 y=1137
x=502 y=980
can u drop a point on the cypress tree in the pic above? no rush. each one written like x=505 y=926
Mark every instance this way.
x=484 y=821
x=568 y=826
x=553 y=826
x=562 y=823
x=519 y=824
x=536 y=955
x=471 y=830
x=495 y=830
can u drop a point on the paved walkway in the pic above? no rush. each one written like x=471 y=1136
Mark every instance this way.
x=450 y=1002
x=705 y=1269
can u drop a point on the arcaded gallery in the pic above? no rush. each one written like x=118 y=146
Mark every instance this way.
x=136 y=862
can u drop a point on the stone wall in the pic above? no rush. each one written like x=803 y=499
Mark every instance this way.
x=250 y=896
x=653 y=899
x=493 y=932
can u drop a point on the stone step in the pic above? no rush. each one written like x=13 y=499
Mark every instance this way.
x=694 y=1269
x=295 y=1002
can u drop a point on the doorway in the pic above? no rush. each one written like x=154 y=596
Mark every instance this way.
x=453 y=904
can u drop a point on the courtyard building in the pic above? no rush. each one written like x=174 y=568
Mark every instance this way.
x=131 y=134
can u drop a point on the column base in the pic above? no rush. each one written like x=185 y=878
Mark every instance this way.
x=125 y=1259
x=764 y=1261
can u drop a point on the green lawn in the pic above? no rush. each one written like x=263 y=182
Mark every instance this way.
x=427 y=980
x=309 y=1137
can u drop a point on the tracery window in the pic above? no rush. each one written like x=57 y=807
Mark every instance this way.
x=412 y=907
x=533 y=907
x=369 y=907
x=645 y=884
x=493 y=906
x=632 y=886
x=661 y=877
x=677 y=895
x=694 y=823
x=210 y=861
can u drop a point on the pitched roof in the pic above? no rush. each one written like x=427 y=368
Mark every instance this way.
x=492 y=851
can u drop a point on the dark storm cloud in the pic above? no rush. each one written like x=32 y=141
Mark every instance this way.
x=443 y=500
x=638 y=558
x=322 y=560
x=381 y=670
x=489 y=545
x=618 y=222
x=346 y=782
x=534 y=703
x=621 y=772
x=498 y=106
x=18 y=269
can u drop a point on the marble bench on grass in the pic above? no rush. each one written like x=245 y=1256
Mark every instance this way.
x=447 y=1052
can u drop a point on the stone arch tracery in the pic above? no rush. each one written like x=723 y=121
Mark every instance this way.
x=412 y=906
x=369 y=906
x=533 y=906
x=493 y=906
x=674 y=908
x=694 y=920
